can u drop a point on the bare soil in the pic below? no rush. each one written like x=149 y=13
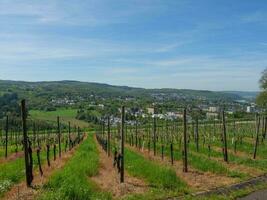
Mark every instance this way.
x=12 y=157
x=108 y=178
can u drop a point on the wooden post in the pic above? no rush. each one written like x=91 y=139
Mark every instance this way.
x=6 y=136
x=122 y=144
x=30 y=160
x=154 y=135
x=162 y=152
x=265 y=128
x=39 y=161
x=55 y=152
x=235 y=137
x=136 y=132
x=224 y=138
x=79 y=135
x=185 y=169
x=197 y=136
x=59 y=137
x=69 y=138
x=172 y=153
x=109 y=144
x=25 y=143
x=257 y=136
x=48 y=154
x=34 y=134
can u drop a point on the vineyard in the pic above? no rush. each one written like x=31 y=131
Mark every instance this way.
x=32 y=150
x=176 y=158
x=137 y=158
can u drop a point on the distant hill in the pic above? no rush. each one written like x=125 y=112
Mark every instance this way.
x=244 y=94
x=47 y=91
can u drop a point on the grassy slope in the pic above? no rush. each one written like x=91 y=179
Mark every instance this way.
x=65 y=115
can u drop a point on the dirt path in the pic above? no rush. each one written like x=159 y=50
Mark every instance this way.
x=198 y=180
x=22 y=192
x=109 y=180
x=12 y=157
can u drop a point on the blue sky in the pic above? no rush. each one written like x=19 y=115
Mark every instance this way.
x=207 y=44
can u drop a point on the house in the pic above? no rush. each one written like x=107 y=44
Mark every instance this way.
x=214 y=109
x=212 y=115
x=151 y=111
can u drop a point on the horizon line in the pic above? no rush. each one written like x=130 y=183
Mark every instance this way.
x=115 y=85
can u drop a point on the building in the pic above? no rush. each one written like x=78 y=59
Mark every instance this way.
x=151 y=111
x=214 y=109
x=250 y=109
x=212 y=115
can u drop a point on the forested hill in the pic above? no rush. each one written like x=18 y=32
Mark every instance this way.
x=47 y=91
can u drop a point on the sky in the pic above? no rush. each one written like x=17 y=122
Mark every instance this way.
x=205 y=44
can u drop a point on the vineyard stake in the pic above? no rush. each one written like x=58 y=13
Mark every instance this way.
x=47 y=154
x=172 y=153
x=39 y=161
x=25 y=143
x=136 y=132
x=109 y=145
x=162 y=152
x=69 y=138
x=257 y=136
x=185 y=143
x=122 y=144
x=55 y=151
x=224 y=138
x=6 y=135
x=197 y=137
x=265 y=128
x=59 y=137
x=154 y=135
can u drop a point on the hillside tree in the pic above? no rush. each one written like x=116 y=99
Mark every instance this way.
x=262 y=97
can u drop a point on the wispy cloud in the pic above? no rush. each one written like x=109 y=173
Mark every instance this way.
x=89 y=13
x=151 y=43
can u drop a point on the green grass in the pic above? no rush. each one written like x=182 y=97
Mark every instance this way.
x=72 y=182
x=10 y=149
x=66 y=115
x=247 y=161
x=201 y=162
x=161 y=179
x=13 y=171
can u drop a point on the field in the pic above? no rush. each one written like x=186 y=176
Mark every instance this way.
x=158 y=159
x=66 y=115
